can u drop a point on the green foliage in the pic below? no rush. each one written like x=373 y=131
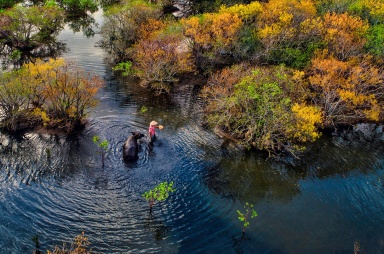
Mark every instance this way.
x=76 y=6
x=258 y=109
x=375 y=37
x=159 y=193
x=26 y=29
x=103 y=146
x=295 y=56
x=50 y=3
x=370 y=10
x=248 y=44
x=13 y=101
x=125 y=67
x=48 y=152
x=8 y=3
x=143 y=109
x=244 y=217
x=338 y=6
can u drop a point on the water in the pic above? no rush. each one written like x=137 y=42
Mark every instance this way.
x=326 y=203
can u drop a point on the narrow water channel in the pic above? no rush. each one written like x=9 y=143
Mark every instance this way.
x=329 y=202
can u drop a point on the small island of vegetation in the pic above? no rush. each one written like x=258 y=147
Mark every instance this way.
x=278 y=73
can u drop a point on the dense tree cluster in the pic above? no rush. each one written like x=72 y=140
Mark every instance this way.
x=278 y=71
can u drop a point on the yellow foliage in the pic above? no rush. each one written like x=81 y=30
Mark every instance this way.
x=298 y=75
x=247 y=12
x=280 y=20
x=374 y=113
x=375 y=7
x=149 y=28
x=63 y=90
x=225 y=26
x=311 y=26
x=301 y=10
x=42 y=114
x=213 y=28
x=308 y=118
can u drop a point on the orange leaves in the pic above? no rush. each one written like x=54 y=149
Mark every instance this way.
x=161 y=58
x=327 y=73
x=347 y=91
x=225 y=28
x=344 y=34
x=150 y=27
x=71 y=91
x=198 y=31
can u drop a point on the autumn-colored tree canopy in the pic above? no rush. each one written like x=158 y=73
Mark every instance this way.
x=278 y=71
x=160 y=58
x=54 y=93
x=347 y=91
x=263 y=107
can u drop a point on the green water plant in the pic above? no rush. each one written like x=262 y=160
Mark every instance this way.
x=143 y=109
x=244 y=217
x=103 y=147
x=125 y=68
x=159 y=193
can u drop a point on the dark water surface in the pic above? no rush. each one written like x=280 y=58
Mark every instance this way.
x=330 y=201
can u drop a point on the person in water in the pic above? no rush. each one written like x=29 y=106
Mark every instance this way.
x=152 y=130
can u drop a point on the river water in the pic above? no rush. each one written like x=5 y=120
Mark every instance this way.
x=331 y=201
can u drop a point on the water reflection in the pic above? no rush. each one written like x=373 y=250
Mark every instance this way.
x=31 y=157
x=82 y=22
x=251 y=178
x=247 y=176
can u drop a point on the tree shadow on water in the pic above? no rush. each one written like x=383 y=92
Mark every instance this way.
x=238 y=242
x=157 y=227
